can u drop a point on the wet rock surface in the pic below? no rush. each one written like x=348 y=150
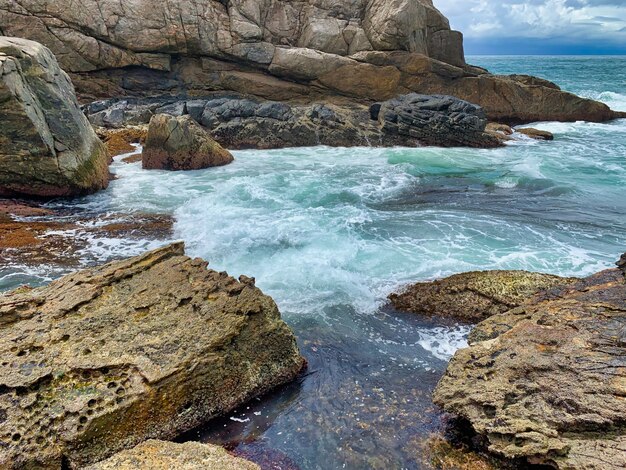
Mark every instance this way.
x=162 y=455
x=47 y=147
x=474 y=296
x=545 y=381
x=148 y=347
x=435 y=120
x=239 y=122
x=180 y=143
x=280 y=50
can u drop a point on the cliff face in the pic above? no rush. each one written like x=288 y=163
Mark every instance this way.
x=364 y=50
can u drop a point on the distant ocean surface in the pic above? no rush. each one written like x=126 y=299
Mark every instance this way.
x=329 y=233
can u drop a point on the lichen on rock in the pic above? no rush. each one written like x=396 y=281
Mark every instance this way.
x=546 y=381
x=148 y=347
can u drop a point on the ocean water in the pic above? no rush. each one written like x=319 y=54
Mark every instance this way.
x=329 y=233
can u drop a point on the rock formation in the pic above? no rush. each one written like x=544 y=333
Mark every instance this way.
x=47 y=147
x=474 y=296
x=305 y=50
x=180 y=143
x=237 y=122
x=162 y=455
x=546 y=381
x=149 y=347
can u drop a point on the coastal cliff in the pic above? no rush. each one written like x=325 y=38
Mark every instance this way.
x=359 y=51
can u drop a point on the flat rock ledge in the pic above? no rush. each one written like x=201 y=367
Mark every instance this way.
x=162 y=455
x=474 y=296
x=149 y=347
x=546 y=381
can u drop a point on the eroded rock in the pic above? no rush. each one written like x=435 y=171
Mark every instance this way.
x=179 y=143
x=162 y=455
x=148 y=347
x=306 y=50
x=536 y=134
x=546 y=381
x=474 y=296
x=47 y=147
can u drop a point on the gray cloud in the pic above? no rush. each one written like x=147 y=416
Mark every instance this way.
x=579 y=20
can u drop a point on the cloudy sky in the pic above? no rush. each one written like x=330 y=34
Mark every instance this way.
x=539 y=26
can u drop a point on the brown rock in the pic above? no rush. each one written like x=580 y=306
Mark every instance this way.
x=536 y=133
x=546 y=381
x=119 y=141
x=499 y=128
x=281 y=50
x=474 y=296
x=47 y=147
x=180 y=143
x=148 y=347
x=162 y=455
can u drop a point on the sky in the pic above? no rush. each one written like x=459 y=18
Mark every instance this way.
x=539 y=26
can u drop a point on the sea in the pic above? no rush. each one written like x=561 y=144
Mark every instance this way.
x=330 y=232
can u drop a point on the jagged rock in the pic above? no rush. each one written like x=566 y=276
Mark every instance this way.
x=180 y=143
x=536 y=134
x=309 y=50
x=47 y=147
x=546 y=381
x=436 y=120
x=149 y=347
x=162 y=455
x=238 y=122
x=474 y=296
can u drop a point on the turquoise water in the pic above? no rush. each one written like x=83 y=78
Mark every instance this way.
x=330 y=232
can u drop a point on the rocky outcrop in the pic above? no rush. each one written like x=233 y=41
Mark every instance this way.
x=149 y=347
x=180 y=143
x=237 y=122
x=546 y=381
x=47 y=147
x=474 y=296
x=435 y=120
x=305 y=50
x=162 y=455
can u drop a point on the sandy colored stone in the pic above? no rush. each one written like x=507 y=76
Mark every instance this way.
x=180 y=143
x=47 y=147
x=149 y=347
x=162 y=455
x=119 y=141
x=474 y=296
x=546 y=381
x=536 y=134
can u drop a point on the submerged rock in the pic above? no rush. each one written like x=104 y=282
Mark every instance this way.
x=162 y=455
x=546 y=381
x=474 y=296
x=148 y=347
x=179 y=143
x=47 y=147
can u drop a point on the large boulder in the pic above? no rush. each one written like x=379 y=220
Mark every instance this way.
x=47 y=146
x=149 y=347
x=474 y=296
x=163 y=455
x=546 y=381
x=368 y=50
x=179 y=143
